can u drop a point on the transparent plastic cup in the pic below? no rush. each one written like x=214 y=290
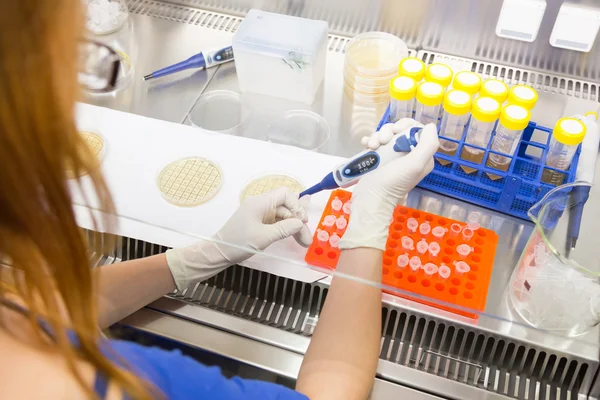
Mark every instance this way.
x=555 y=287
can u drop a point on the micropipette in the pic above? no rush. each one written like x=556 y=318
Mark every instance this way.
x=204 y=59
x=350 y=172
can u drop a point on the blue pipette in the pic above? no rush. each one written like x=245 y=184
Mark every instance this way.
x=205 y=59
x=350 y=172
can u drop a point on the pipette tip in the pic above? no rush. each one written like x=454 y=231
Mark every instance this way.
x=148 y=77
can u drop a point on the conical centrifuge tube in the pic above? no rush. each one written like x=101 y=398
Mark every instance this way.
x=425 y=228
x=461 y=267
x=438 y=232
x=464 y=249
x=434 y=249
x=336 y=204
x=412 y=225
x=430 y=269
x=403 y=260
x=322 y=235
x=415 y=263
x=329 y=220
x=444 y=271
x=422 y=246
x=334 y=240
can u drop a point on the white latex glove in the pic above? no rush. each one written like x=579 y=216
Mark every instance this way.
x=378 y=193
x=257 y=223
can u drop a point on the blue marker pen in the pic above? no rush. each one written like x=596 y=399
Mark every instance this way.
x=205 y=59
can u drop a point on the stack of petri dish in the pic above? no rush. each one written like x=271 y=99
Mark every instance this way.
x=372 y=60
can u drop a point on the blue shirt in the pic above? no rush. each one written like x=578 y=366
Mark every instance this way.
x=181 y=377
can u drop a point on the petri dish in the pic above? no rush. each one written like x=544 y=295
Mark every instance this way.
x=375 y=53
x=266 y=183
x=190 y=181
x=220 y=111
x=299 y=128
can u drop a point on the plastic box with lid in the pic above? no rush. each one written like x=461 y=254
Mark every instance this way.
x=280 y=56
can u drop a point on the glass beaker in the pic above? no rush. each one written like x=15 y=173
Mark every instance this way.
x=555 y=286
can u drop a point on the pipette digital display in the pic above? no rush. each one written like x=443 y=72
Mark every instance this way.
x=350 y=172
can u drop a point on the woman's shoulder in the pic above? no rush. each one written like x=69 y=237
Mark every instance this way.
x=179 y=376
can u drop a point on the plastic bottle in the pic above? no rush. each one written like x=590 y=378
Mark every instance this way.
x=457 y=110
x=524 y=96
x=513 y=119
x=495 y=89
x=412 y=67
x=402 y=92
x=430 y=96
x=568 y=134
x=439 y=73
x=467 y=81
x=484 y=115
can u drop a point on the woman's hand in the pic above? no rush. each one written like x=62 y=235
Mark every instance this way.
x=377 y=194
x=257 y=223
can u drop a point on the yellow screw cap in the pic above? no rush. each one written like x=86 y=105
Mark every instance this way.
x=439 y=73
x=412 y=67
x=467 y=81
x=403 y=88
x=592 y=114
x=430 y=94
x=486 y=109
x=457 y=102
x=495 y=89
x=514 y=117
x=569 y=131
x=523 y=95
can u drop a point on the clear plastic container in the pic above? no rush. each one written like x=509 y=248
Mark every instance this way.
x=402 y=92
x=289 y=64
x=495 y=89
x=412 y=67
x=430 y=96
x=484 y=115
x=467 y=81
x=566 y=137
x=439 y=73
x=524 y=96
x=513 y=119
x=371 y=61
x=457 y=110
x=105 y=16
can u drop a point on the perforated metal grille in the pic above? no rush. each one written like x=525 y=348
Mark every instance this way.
x=459 y=353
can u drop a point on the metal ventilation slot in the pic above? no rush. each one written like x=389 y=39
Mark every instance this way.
x=511 y=75
x=186 y=15
x=459 y=353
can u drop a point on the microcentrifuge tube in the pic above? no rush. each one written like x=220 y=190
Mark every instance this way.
x=322 y=235
x=434 y=249
x=346 y=207
x=461 y=267
x=408 y=243
x=430 y=269
x=467 y=234
x=444 y=271
x=473 y=216
x=415 y=263
x=412 y=225
x=329 y=220
x=341 y=223
x=334 y=240
x=425 y=228
x=422 y=246
x=473 y=226
x=464 y=249
x=438 y=232
x=336 y=204
x=403 y=260
x=455 y=229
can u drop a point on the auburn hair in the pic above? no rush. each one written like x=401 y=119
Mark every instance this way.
x=40 y=149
